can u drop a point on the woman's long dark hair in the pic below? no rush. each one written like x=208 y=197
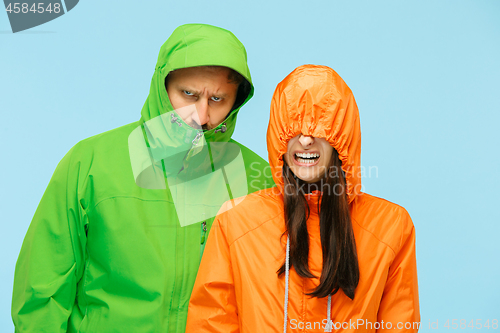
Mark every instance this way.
x=340 y=261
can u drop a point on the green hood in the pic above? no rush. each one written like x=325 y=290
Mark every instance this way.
x=165 y=152
x=193 y=45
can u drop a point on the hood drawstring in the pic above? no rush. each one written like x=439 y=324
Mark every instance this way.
x=287 y=274
x=197 y=138
x=174 y=119
x=222 y=129
x=329 y=323
x=328 y=326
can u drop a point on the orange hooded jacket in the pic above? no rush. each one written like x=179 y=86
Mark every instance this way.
x=237 y=288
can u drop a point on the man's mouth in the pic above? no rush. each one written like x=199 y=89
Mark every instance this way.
x=307 y=159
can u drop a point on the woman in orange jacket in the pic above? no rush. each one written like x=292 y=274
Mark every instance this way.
x=314 y=254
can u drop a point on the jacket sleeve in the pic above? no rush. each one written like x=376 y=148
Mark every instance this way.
x=47 y=268
x=212 y=307
x=399 y=305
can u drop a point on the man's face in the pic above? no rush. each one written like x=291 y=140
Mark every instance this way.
x=209 y=92
x=308 y=157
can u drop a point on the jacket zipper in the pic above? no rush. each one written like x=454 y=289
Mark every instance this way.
x=221 y=128
x=203 y=237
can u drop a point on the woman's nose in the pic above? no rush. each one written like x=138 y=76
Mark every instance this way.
x=306 y=140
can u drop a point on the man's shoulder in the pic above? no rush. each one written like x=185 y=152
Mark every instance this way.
x=117 y=136
x=108 y=146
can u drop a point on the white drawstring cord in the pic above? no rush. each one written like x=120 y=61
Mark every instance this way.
x=329 y=323
x=287 y=274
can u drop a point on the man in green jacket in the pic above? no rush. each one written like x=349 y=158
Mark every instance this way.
x=116 y=240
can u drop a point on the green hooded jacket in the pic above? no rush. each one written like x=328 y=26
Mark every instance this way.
x=115 y=243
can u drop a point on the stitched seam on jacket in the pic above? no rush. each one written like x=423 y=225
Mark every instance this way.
x=124 y=196
x=270 y=219
x=381 y=241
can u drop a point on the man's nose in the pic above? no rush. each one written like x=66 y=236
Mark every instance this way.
x=306 y=140
x=202 y=116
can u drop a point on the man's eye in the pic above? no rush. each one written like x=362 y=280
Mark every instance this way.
x=187 y=93
x=216 y=99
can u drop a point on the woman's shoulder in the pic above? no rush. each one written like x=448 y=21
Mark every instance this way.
x=254 y=212
x=386 y=221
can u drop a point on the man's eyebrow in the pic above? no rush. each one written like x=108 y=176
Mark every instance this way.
x=194 y=91
x=222 y=95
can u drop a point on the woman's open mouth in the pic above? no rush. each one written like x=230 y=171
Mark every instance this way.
x=306 y=159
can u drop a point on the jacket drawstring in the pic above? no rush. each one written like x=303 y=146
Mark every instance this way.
x=287 y=275
x=329 y=323
x=222 y=128
x=328 y=327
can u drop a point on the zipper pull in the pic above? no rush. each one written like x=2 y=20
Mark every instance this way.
x=197 y=138
x=222 y=129
x=203 y=231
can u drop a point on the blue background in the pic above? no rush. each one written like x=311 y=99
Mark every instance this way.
x=424 y=73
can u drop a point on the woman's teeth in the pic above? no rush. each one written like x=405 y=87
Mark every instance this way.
x=307 y=158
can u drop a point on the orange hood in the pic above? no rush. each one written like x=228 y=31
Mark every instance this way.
x=315 y=101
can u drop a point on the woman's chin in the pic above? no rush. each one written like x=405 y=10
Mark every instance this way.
x=308 y=178
x=309 y=174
